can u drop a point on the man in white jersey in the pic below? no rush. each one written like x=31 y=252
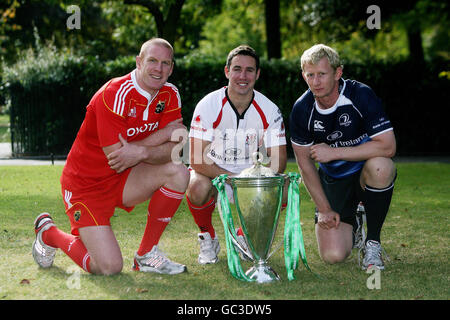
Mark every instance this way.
x=228 y=126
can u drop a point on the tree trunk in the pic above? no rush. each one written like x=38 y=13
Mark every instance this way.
x=165 y=26
x=415 y=45
x=272 y=11
x=171 y=21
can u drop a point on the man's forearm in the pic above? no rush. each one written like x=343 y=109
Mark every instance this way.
x=155 y=139
x=312 y=182
x=278 y=158
x=383 y=145
x=209 y=170
x=159 y=146
x=311 y=178
x=158 y=154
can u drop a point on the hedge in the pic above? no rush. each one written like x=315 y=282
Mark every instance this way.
x=47 y=95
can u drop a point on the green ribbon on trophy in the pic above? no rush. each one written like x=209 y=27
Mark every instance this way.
x=293 y=237
x=234 y=264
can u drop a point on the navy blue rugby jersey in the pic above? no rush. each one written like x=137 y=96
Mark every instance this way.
x=356 y=117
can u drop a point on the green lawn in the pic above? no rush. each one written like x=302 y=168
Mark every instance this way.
x=416 y=237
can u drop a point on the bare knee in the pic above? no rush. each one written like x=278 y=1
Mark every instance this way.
x=200 y=189
x=178 y=176
x=334 y=256
x=109 y=267
x=378 y=172
x=335 y=244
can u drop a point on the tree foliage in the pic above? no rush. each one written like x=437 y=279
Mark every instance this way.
x=338 y=21
x=112 y=28
x=48 y=19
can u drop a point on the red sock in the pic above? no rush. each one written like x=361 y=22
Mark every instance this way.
x=162 y=207
x=69 y=244
x=203 y=216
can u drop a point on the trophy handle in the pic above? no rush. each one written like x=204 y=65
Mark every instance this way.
x=232 y=235
x=278 y=246
x=245 y=251
x=281 y=242
x=234 y=265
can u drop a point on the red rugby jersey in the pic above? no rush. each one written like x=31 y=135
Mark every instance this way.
x=120 y=106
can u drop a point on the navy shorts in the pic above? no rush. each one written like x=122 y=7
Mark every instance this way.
x=343 y=195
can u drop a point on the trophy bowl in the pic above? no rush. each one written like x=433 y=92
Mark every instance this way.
x=258 y=204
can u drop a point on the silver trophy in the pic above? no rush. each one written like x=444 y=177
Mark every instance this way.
x=258 y=204
x=257 y=193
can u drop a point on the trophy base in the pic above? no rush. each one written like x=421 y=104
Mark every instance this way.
x=262 y=273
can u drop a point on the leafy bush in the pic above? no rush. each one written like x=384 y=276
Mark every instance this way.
x=47 y=92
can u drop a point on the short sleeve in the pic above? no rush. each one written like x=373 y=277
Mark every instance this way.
x=173 y=109
x=299 y=122
x=275 y=134
x=370 y=106
x=202 y=122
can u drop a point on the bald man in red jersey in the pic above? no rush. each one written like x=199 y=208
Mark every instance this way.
x=121 y=157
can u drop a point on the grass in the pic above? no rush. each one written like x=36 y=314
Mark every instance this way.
x=416 y=237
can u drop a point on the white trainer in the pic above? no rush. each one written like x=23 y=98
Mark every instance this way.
x=209 y=248
x=373 y=255
x=156 y=261
x=42 y=253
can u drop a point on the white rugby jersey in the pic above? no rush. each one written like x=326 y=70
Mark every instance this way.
x=234 y=138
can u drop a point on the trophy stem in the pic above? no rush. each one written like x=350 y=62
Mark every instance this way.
x=261 y=272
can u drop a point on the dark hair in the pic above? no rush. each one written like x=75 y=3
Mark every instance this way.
x=244 y=50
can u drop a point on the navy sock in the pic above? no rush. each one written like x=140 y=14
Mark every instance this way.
x=376 y=204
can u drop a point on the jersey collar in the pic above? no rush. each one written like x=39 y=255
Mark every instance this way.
x=239 y=116
x=143 y=93
x=138 y=88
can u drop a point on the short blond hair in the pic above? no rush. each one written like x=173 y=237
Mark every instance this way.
x=158 y=41
x=314 y=54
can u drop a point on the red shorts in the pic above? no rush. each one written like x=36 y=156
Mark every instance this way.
x=96 y=206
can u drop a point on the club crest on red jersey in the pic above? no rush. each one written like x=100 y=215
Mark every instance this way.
x=132 y=112
x=77 y=215
x=160 y=106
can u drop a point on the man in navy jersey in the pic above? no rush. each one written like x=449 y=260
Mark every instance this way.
x=341 y=125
